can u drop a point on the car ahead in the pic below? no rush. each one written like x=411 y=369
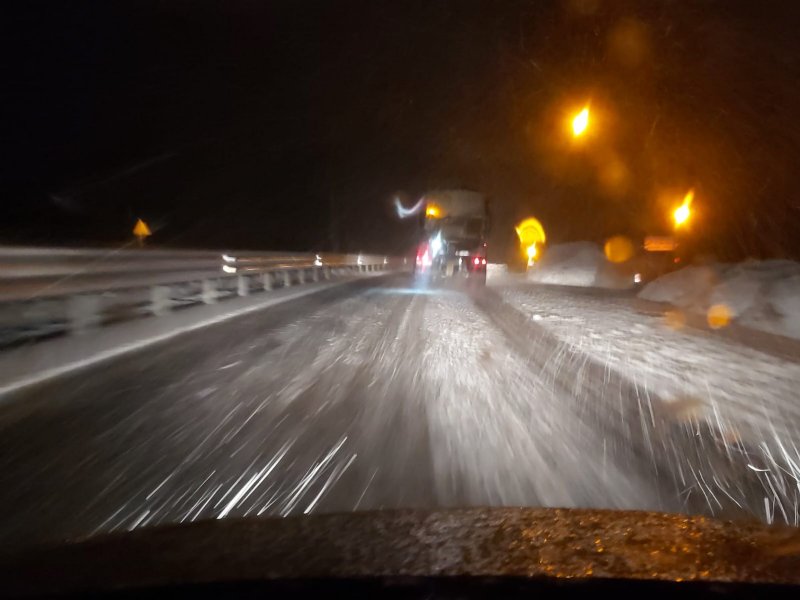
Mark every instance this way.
x=465 y=553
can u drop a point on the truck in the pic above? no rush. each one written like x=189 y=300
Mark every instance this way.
x=454 y=232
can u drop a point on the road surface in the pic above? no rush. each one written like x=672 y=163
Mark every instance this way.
x=382 y=394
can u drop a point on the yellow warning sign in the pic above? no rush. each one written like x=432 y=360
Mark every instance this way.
x=141 y=230
x=530 y=232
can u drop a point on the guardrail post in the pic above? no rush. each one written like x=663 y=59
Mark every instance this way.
x=266 y=281
x=209 y=292
x=301 y=276
x=242 y=286
x=160 y=301
x=326 y=272
x=287 y=278
x=83 y=312
x=315 y=273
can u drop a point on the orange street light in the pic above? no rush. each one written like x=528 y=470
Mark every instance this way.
x=580 y=122
x=681 y=214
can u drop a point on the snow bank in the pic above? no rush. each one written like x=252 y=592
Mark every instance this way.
x=496 y=272
x=580 y=264
x=687 y=287
x=496 y=269
x=763 y=295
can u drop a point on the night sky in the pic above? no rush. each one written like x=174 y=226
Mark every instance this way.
x=293 y=125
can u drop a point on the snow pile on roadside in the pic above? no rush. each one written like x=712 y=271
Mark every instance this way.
x=496 y=270
x=687 y=287
x=580 y=264
x=746 y=397
x=763 y=295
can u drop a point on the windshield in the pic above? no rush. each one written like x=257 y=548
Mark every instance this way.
x=227 y=289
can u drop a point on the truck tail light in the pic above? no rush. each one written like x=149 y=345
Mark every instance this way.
x=423 y=256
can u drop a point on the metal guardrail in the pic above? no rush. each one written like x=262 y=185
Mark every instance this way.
x=51 y=291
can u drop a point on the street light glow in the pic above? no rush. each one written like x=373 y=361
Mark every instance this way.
x=580 y=122
x=433 y=211
x=532 y=252
x=683 y=212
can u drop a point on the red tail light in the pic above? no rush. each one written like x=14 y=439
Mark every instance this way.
x=423 y=256
x=477 y=261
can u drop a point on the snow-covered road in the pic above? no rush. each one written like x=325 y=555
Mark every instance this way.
x=381 y=394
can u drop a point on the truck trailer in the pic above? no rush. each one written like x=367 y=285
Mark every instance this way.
x=455 y=228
